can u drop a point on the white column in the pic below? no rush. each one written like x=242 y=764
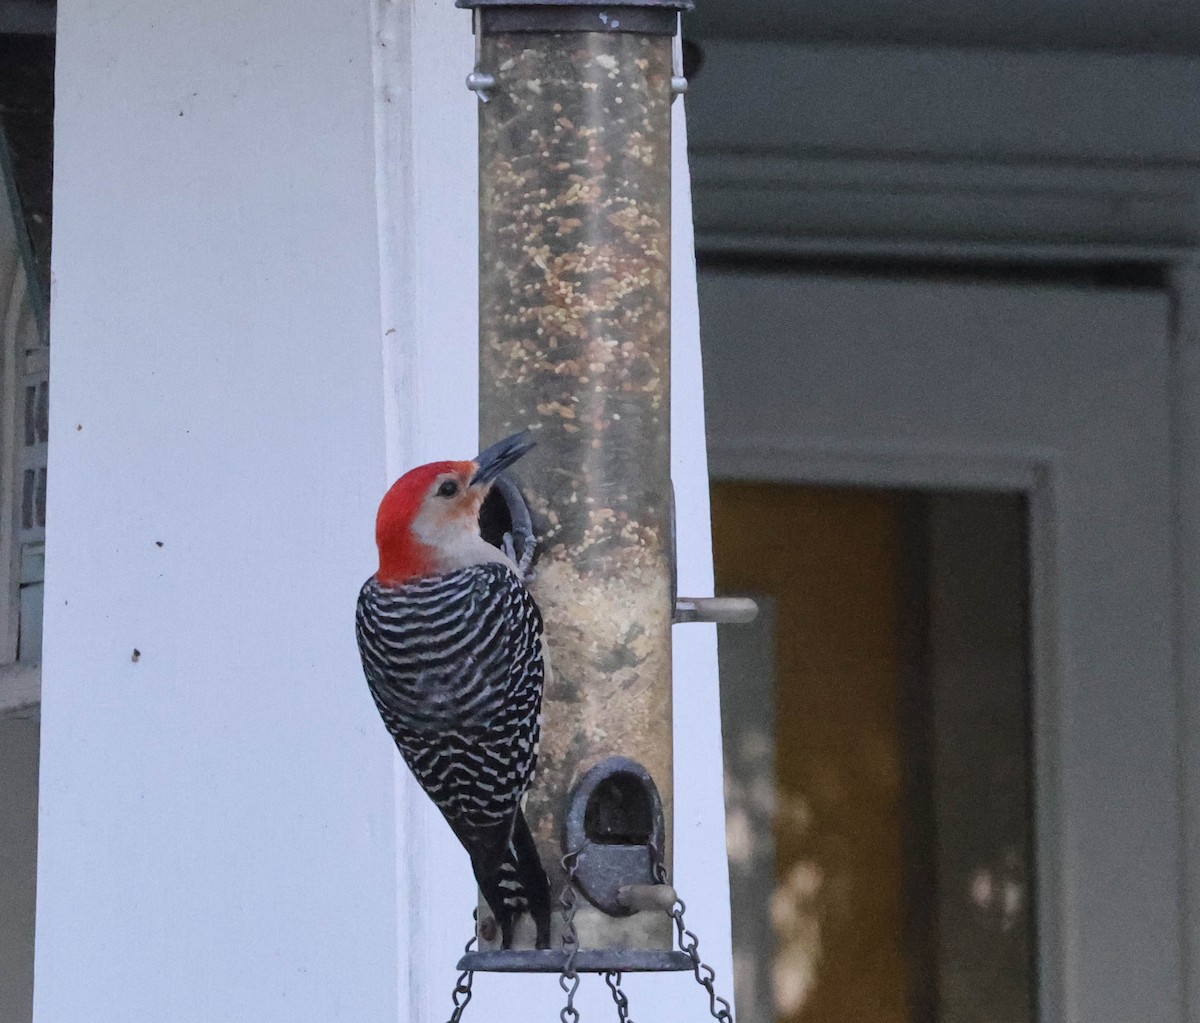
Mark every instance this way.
x=218 y=806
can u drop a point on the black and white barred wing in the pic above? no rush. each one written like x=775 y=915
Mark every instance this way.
x=455 y=665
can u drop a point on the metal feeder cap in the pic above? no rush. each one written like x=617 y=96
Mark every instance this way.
x=674 y=5
x=646 y=17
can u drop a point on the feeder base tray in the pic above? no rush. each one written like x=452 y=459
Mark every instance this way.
x=590 y=960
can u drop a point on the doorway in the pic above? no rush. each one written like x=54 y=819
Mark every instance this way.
x=876 y=725
x=950 y=396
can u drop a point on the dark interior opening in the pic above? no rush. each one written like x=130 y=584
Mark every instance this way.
x=619 y=812
x=495 y=518
x=504 y=511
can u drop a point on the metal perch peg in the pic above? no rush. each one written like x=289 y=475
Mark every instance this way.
x=721 y=610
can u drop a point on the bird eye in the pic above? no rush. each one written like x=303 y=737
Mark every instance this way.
x=448 y=489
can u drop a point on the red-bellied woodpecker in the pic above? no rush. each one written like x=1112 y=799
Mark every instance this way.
x=451 y=644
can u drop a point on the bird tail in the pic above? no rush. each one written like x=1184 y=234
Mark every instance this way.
x=516 y=882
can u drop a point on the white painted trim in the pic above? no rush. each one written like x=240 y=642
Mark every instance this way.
x=390 y=67
x=701 y=860
x=391 y=52
x=427 y=212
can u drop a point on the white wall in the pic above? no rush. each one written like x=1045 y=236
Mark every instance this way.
x=217 y=823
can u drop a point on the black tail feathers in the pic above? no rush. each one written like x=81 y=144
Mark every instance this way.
x=532 y=876
x=515 y=882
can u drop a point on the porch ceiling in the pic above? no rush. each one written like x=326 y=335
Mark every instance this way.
x=1158 y=26
x=1129 y=26
x=33 y=17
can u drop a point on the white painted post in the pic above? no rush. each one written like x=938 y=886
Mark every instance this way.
x=218 y=837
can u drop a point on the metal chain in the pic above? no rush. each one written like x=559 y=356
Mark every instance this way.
x=689 y=944
x=461 y=994
x=569 y=979
x=613 y=980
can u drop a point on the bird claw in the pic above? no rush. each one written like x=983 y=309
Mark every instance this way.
x=523 y=562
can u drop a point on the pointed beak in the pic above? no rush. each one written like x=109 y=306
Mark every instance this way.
x=493 y=461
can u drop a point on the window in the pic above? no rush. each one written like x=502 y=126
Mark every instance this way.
x=26 y=128
x=24 y=403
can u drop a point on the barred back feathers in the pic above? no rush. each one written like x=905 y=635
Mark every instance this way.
x=454 y=663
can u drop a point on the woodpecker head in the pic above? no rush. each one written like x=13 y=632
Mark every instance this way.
x=428 y=521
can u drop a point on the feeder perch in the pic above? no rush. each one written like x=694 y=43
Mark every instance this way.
x=615 y=818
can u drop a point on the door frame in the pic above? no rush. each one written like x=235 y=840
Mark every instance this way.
x=1067 y=968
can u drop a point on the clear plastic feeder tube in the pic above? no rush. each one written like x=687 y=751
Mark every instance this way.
x=575 y=200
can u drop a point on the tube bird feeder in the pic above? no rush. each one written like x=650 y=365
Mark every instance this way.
x=574 y=309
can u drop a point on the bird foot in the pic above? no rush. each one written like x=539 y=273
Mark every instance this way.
x=523 y=562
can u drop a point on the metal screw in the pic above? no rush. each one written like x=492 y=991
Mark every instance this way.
x=481 y=84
